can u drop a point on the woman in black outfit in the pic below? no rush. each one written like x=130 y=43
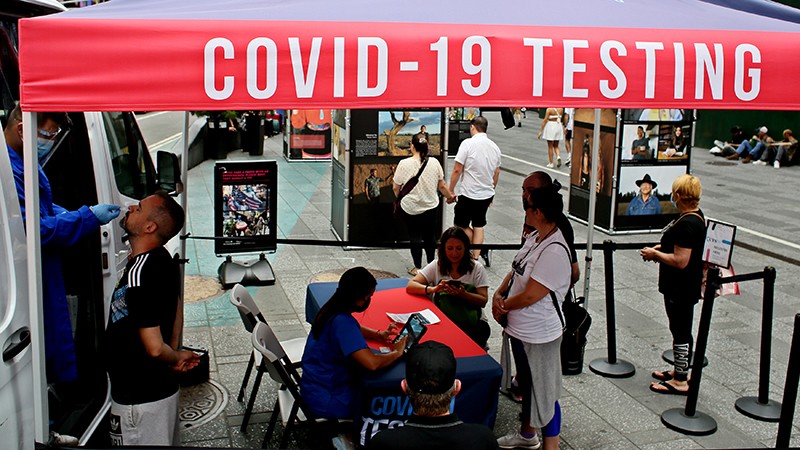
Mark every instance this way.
x=680 y=275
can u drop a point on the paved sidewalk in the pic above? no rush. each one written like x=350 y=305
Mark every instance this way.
x=598 y=412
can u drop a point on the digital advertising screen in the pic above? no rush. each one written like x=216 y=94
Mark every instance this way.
x=245 y=206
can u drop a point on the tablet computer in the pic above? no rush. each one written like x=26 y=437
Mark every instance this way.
x=415 y=328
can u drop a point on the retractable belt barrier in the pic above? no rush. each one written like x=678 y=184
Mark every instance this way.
x=689 y=420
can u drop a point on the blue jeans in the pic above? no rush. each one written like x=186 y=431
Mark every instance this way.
x=754 y=151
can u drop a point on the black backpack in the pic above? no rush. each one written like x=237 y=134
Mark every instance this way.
x=575 y=322
x=573 y=342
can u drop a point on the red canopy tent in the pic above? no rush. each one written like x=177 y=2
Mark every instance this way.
x=267 y=54
x=240 y=54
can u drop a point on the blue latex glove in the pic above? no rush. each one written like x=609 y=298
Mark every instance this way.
x=106 y=213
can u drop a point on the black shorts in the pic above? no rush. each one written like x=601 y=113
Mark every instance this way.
x=568 y=135
x=472 y=211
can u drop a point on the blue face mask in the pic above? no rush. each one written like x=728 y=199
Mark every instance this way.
x=672 y=199
x=43 y=147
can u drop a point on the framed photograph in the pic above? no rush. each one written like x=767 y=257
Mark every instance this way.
x=639 y=142
x=309 y=134
x=643 y=196
x=674 y=142
x=655 y=115
x=395 y=129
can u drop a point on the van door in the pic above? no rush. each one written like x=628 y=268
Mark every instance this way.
x=16 y=382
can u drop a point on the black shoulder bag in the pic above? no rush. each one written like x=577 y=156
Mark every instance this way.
x=407 y=187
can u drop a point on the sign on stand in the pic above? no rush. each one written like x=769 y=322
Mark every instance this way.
x=718 y=249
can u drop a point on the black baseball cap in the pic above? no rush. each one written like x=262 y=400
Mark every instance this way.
x=430 y=368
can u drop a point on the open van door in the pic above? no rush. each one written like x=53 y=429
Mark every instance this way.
x=16 y=382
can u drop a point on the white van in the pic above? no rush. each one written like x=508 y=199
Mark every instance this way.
x=103 y=159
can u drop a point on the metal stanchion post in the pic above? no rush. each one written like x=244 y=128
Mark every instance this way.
x=761 y=407
x=790 y=389
x=689 y=420
x=611 y=367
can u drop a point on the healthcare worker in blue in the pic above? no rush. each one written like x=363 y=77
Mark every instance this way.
x=59 y=230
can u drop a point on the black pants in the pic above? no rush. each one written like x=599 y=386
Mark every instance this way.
x=422 y=234
x=679 y=313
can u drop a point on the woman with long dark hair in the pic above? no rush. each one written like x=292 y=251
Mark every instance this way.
x=528 y=304
x=337 y=350
x=419 y=204
x=457 y=284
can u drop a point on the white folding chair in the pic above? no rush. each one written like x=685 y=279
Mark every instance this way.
x=276 y=363
x=251 y=315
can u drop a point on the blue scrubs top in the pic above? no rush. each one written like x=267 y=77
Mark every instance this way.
x=330 y=375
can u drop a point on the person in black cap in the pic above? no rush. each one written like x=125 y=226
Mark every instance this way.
x=645 y=202
x=728 y=148
x=431 y=384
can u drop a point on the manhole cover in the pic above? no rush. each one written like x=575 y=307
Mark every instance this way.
x=200 y=288
x=201 y=403
x=722 y=163
x=334 y=275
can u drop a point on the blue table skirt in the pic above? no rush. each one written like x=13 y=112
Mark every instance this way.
x=384 y=405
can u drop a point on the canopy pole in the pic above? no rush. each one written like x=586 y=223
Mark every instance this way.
x=33 y=245
x=592 y=202
x=184 y=196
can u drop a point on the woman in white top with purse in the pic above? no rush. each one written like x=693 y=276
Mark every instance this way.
x=528 y=305
x=418 y=205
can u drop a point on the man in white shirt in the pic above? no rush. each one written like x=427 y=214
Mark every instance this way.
x=478 y=167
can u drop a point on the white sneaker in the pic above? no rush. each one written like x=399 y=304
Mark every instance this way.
x=341 y=442
x=759 y=163
x=515 y=440
x=776 y=164
x=550 y=166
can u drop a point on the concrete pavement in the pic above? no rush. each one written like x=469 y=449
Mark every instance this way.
x=598 y=412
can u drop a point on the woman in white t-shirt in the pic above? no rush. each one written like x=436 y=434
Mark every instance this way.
x=457 y=284
x=419 y=204
x=528 y=304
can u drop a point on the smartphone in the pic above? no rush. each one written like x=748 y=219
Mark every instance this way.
x=455 y=283
x=415 y=328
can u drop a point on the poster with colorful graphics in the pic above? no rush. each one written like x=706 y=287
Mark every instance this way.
x=245 y=206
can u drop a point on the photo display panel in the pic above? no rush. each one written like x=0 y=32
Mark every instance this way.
x=379 y=140
x=654 y=149
x=245 y=206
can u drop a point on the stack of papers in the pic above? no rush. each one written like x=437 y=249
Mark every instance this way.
x=429 y=317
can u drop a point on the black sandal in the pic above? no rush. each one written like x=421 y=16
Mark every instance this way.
x=662 y=375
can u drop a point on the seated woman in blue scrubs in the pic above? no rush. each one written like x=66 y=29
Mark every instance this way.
x=336 y=351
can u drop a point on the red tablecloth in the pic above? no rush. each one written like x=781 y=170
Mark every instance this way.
x=398 y=301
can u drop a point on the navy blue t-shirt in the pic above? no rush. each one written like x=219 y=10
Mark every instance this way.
x=146 y=296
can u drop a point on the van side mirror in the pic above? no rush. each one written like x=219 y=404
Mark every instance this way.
x=169 y=172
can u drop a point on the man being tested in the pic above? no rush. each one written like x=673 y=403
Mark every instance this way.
x=144 y=327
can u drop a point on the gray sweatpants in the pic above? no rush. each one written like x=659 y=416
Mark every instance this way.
x=154 y=423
